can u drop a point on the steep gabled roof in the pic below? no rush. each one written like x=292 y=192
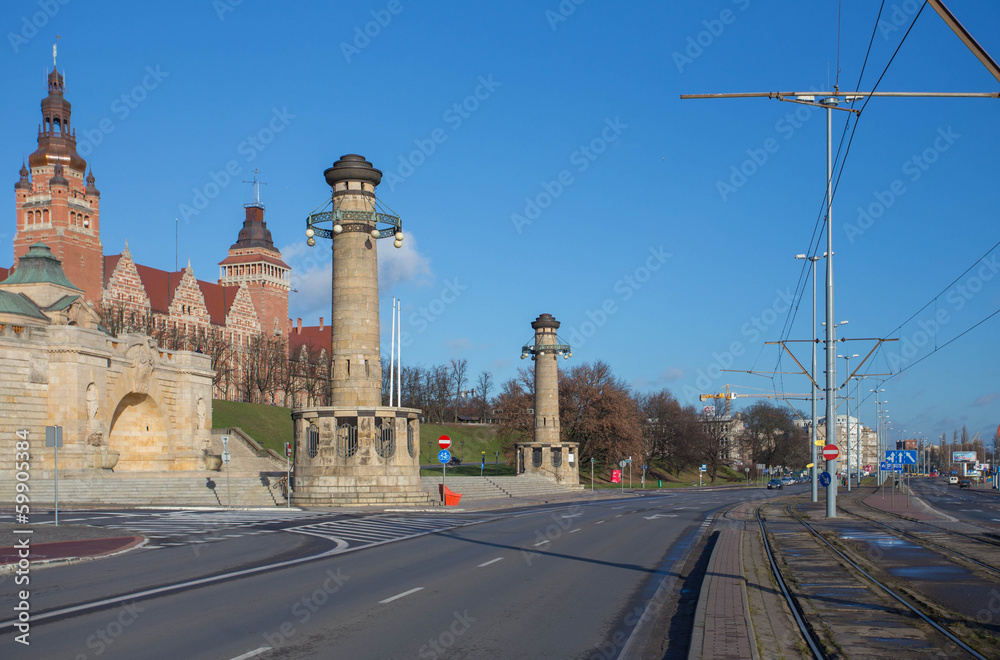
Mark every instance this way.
x=160 y=286
x=310 y=336
x=218 y=299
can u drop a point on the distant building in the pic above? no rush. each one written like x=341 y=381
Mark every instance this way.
x=58 y=204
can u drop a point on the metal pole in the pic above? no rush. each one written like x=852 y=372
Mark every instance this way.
x=831 y=352
x=392 y=351
x=229 y=493
x=815 y=458
x=288 y=478
x=58 y=433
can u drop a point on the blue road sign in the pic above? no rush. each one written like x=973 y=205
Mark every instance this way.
x=883 y=466
x=444 y=456
x=825 y=479
x=897 y=468
x=901 y=457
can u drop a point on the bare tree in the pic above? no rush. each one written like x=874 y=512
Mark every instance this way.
x=483 y=388
x=458 y=378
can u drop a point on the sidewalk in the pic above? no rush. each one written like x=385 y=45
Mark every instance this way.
x=721 y=628
x=898 y=503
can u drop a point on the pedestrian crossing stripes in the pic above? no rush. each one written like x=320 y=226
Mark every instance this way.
x=174 y=528
x=365 y=532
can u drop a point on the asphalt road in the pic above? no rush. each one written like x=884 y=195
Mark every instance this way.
x=979 y=505
x=553 y=581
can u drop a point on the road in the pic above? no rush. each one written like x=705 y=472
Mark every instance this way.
x=978 y=505
x=560 y=581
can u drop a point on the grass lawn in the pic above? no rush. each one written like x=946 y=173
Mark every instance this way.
x=467 y=441
x=271 y=426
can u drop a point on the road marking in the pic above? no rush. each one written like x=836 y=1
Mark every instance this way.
x=618 y=507
x=599 y=522
x=619 y=515
x=573 y=515
x=574 y=531
x=234 y=536
x=660 y=515
x=542 y=543
x=398 y=596
x=252 y=654
x=492 y=561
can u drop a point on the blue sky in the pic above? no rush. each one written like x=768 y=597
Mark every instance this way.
x=542 y=161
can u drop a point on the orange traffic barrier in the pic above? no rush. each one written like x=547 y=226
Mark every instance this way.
x=450 y=497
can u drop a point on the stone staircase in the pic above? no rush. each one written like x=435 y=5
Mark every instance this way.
x=491 y=488
x=177 y=489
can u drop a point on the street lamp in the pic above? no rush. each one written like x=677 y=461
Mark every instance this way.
x=878 y=435
x=812 y=440
x=847 y=359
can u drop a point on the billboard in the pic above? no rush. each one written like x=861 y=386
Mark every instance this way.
x=910 y=444
x=963 y=457
x=616 y=476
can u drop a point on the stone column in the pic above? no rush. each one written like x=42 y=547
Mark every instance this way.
x=357 y=367
x=546 y=379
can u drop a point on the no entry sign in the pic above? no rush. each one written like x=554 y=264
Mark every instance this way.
x=830 y=452
x=444 y=442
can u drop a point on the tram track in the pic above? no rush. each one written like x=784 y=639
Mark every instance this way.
x=827 y=590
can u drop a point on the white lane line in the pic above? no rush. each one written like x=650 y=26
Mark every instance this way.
x=398 y=596
x=234 y=536
x=542 y=543
x=599 y=522
x=492 y=561
x=619 y=515
x=253 y=654
x=617 y=507
x=574 y=531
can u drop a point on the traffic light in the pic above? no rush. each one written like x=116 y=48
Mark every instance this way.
x=899 y=445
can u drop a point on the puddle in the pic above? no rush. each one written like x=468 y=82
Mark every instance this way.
x=881 y=540
x=932 y=573
x=896 y=641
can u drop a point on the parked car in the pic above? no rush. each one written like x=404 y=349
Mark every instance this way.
x=952 y=480
x=454 y=462
x=775 y=483
x=788 y=481
x=965 y=483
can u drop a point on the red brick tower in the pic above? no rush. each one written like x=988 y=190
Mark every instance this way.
x=56 y=205
x=255 y=261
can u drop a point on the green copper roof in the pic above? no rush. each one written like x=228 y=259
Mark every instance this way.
x=18 y=303
x=62 y=303
x=39 y=265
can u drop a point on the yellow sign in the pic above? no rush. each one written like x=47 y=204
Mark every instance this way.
x=810 y=465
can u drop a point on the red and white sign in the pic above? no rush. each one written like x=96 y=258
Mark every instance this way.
x=288 y=449
x=444 y=442
x=830 y=452
x=616 y=476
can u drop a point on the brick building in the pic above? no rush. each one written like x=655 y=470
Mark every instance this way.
x=58 y=204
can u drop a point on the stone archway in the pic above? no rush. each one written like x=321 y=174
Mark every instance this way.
x=139 y=434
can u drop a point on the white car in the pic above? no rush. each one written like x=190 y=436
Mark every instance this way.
x=952 y=480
